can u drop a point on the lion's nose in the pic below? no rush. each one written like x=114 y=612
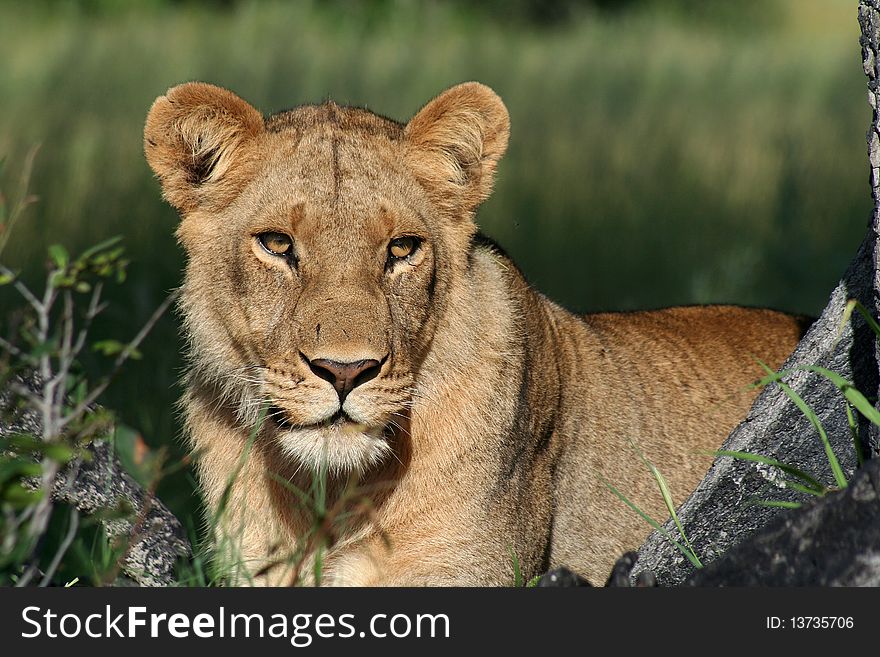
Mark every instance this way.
x=345 y=377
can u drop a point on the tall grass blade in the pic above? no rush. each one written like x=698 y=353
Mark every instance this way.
x=854 y=433
x=854 y=304
x=517 y=570
x=814 y=420
x=813 y=485
x=779 y=504
x=664 y=493
x=853 y=396
x=691 y=556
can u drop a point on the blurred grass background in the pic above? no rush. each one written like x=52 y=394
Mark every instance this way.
x=662 y=151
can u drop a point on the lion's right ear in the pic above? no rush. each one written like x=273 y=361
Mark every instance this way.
x=198 y=140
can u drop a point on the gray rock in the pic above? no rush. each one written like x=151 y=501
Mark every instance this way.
x=156 y=539
x=620 y=576
x=622 y=573
x=561 y=577
x=835 y=541
x=720 y=513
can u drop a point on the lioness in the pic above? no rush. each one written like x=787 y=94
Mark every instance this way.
x=336 y=277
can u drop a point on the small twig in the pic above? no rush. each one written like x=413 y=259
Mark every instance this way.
x=24 y=198
x=25 y=579
x=43 y=508
x=92 y=397
x=67 y=326
x=62 y=549
x=65 y=357
x=50 y=414
x=94 y=310
x=22 y=289
x=11 y=348
x=23 y=391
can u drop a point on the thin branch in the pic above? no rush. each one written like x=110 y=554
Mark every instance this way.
x=24 y=198
x=27 y=577
x=11 y=348
x=43 y=508
x=67 y=325
x=22 y=289
x=23 y=391
x=62 y=549
x=92 y=397
x=94 y=310
x=50 y=415
x=44 y=315
x=65 y=357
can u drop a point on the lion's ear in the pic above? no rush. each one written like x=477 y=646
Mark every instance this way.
x=454 y=144
x=196 y=139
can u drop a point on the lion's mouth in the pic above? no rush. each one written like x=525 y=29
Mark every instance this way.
x=338 y=420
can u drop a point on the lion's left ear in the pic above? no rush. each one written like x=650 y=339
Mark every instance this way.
x=454 y=144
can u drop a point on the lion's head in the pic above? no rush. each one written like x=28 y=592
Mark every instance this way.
x=322 y=245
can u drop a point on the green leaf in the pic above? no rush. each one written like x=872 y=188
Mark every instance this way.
x=800 y=488
x=6 y=278
x=108 y=347
x=24 y=442
x=135 y=455
x=97 y=248
x=30 y=444
x=59 y=256
x=113 y=348
x=49 y=347
x=61 y=279
x=58 y=452
x=20 y=497
x=18 y=467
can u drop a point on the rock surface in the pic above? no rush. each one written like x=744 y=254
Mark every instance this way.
x=156 y=538
x=835 y=541
x=719 y=514
x=561 y=577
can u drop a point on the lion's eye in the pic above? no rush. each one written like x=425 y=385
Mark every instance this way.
x=402 y=247
x=276 y=243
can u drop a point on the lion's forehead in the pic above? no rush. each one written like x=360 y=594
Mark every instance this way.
x=331 y=181
x=335 y=155
x=330 y=116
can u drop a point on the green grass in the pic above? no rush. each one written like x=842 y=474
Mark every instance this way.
x=655 y=158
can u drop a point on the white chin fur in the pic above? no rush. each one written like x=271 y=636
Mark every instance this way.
x=341 y=450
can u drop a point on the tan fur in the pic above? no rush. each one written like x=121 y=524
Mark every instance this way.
x=496 y=416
